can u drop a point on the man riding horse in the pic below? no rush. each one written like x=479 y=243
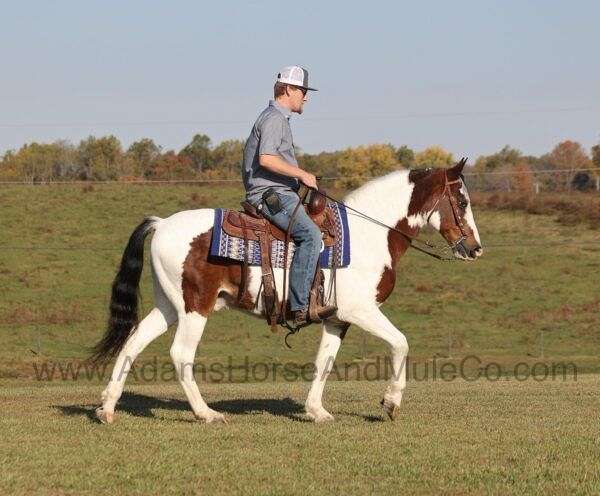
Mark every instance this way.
x=271 y=174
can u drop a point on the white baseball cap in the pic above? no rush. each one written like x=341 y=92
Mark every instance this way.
x=294 y=75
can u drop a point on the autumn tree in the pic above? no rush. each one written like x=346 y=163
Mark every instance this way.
x=434 y=156
x=357 y=164
x=171 y=165
x=566 y=158
x=37 y=162
x=596 y=155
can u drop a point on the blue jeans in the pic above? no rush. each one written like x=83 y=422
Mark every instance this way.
x=307 y=238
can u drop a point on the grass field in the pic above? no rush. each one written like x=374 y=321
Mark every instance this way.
x=531 y=299
x=451 y=438
x=60 y=247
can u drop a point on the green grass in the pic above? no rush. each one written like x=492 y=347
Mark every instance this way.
x=60 y=247
x=505 y=437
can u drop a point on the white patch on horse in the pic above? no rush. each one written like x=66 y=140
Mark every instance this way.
x=469 y=218
x=417 y=220
x=435 y=220
x=170 y=247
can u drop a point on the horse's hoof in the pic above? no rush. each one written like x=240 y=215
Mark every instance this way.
x=321 y=416
x=213 y=418
x=105 y=417
x=389 y=408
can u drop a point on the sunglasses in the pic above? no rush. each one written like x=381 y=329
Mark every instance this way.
x=303 y=90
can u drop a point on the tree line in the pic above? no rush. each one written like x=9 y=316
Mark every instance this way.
x=105 y=159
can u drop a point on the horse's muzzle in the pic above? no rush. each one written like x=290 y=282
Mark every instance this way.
x=464 y=252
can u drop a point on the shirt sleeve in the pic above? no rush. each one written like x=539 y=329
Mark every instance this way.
x=271 y=136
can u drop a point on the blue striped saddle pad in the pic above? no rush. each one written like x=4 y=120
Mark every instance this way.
x=224 y=245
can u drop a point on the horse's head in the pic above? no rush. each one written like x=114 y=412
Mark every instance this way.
x=452 y=215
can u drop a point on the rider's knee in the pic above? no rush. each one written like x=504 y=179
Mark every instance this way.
x=310 y=233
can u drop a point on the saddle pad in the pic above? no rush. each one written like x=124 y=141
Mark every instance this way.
x=225 y=246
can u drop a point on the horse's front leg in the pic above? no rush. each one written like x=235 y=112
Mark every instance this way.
x=376 y=323
x=330 y=344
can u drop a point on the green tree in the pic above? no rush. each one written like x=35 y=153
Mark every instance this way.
x=100 y=158
x=505 y=158
x=198 y=151
x=406 y=156
x=226 y=157
x=144 y=153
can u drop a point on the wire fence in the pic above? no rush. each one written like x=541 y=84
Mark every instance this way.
x=537 y=181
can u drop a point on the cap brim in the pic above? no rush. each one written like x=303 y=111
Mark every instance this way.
x=310 y=89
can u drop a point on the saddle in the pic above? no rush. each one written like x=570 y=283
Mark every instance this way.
x=250 y=225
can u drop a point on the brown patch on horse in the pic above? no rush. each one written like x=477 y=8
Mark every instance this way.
x=397 y=246
x=204 y=278
x=428 y=184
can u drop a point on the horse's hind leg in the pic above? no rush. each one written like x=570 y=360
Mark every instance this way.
x=183 y=351
x=152 y=326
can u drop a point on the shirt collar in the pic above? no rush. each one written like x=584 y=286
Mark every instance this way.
x=285 y=111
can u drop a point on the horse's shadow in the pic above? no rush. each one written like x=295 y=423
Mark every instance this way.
x=140 y=405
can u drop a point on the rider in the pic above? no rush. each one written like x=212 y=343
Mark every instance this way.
x=271 y=174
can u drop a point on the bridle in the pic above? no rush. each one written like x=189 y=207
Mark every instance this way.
x=454 y=206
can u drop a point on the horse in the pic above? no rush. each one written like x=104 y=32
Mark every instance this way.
x=189 y=285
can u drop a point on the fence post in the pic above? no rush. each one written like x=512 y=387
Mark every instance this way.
x=537 y=188
x=597 y=183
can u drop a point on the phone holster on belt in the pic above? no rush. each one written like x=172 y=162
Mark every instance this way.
x=271 y=200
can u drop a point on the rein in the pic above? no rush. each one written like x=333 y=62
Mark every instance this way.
x=412 y=239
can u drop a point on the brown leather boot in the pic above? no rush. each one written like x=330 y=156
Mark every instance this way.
x=301 y=318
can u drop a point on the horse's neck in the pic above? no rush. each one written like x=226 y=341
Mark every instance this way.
x=386 y=199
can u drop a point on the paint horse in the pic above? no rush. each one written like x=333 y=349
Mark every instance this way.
x=189 y=285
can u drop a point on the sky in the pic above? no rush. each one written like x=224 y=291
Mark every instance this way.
x=470 y=76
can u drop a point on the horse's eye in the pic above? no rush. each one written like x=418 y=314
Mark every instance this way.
x=463 y=204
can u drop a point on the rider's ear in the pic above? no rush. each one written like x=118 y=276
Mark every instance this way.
x=455 y=172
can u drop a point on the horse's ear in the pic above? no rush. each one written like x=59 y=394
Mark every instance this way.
x=456 y=171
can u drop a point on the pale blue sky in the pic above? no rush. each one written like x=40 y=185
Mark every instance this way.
x=523 y=73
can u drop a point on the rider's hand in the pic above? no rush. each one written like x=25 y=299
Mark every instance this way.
x=310 y=180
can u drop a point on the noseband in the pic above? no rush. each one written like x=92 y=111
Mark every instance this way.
x=455 y=210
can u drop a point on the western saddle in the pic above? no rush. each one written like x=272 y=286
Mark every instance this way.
x=250 y=225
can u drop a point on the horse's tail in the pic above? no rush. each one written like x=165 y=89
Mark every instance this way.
x=123 y=318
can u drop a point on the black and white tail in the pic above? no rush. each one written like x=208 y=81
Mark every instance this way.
x=123 y=317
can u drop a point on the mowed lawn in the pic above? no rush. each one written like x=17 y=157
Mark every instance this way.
x=504 y=437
